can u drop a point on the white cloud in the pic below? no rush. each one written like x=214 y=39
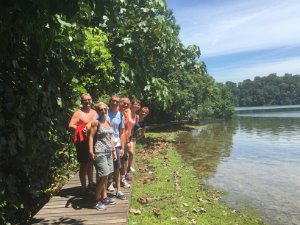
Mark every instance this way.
x=262 y=33
x=238 y=26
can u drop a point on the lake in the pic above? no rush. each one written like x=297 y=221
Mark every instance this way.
x=254 y=159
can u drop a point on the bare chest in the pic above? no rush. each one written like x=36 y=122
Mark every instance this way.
x=86 y=117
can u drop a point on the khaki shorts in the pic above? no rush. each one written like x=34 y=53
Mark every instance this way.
x=104 y=164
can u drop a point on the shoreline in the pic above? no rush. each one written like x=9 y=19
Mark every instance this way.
x=166 y=190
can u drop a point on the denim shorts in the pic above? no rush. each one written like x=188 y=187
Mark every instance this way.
x=103 y=163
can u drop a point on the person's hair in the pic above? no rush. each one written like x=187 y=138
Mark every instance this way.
x=114 y=95
x=101 y=103
x=123 y=100
x=97 y=109
x=135 y=101
x=144 y=108
x=86 y=94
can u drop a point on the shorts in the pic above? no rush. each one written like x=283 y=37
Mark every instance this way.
x=82 y=151
x=103 y=163
x=117 y=162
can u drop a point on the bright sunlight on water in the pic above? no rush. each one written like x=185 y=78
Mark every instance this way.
x=255 y=159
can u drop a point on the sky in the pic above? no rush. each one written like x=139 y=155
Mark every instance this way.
x=242 y=39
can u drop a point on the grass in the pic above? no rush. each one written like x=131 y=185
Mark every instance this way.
x=165 y=190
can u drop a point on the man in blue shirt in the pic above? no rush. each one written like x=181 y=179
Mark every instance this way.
x=116 y=120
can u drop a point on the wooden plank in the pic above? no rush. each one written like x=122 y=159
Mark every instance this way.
x=71 y=206
x=80 y=221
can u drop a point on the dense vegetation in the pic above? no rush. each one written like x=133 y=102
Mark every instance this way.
x=54 y=50
x=268 y=90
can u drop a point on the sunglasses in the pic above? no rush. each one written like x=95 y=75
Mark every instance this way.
x=103 y=109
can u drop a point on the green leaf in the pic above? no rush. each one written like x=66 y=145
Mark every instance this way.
x=63 y=23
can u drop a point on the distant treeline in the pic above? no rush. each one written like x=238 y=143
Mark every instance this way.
x=268 y=90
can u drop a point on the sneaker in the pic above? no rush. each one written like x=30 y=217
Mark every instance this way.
x=124 y=183
x=111 y=187
x=128 y=177
x=100 y=206
x=132 y=169
x=120 y=195
x=109 y=201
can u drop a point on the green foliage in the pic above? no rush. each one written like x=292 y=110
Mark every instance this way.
x=195 y=94
x=223 y=106
x=41 y=63
x=52 y=51
x=269 y=90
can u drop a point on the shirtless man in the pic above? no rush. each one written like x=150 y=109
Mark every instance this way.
x=77 y=124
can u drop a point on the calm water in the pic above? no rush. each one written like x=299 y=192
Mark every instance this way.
x=255 y=159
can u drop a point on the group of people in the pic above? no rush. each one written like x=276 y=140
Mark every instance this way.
x=105 y=138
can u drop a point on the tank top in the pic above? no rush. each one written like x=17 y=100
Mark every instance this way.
x=131 y=123
x=103 y=139
x=126 y=127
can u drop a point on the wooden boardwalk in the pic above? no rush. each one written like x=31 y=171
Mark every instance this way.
x=70 y=206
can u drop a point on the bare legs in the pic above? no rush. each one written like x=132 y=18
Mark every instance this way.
x=86 y=169
x=82 y=174
x=131 y=147
x=123 y=166
x=90 y=168
x=101 y=186
x=117 y=179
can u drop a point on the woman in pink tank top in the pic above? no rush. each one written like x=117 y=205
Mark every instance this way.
x=132 y=120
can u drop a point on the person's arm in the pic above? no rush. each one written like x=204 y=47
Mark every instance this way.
x=93 y=129
x=74 y=121
x=114 y=154
x=122 y=135
x=142 y=129
x=122 y=138
x=87 y=127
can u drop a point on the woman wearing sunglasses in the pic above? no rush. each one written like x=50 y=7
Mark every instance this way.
x=102 y=152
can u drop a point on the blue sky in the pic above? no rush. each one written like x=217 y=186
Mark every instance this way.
x=241 y=39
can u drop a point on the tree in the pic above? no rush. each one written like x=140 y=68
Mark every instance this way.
x=268 y=90
x=52 y=51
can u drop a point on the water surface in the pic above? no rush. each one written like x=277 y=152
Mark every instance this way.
x=255 y=159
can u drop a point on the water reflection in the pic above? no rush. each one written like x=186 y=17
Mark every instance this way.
x=254 y=159
x=204 y=147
